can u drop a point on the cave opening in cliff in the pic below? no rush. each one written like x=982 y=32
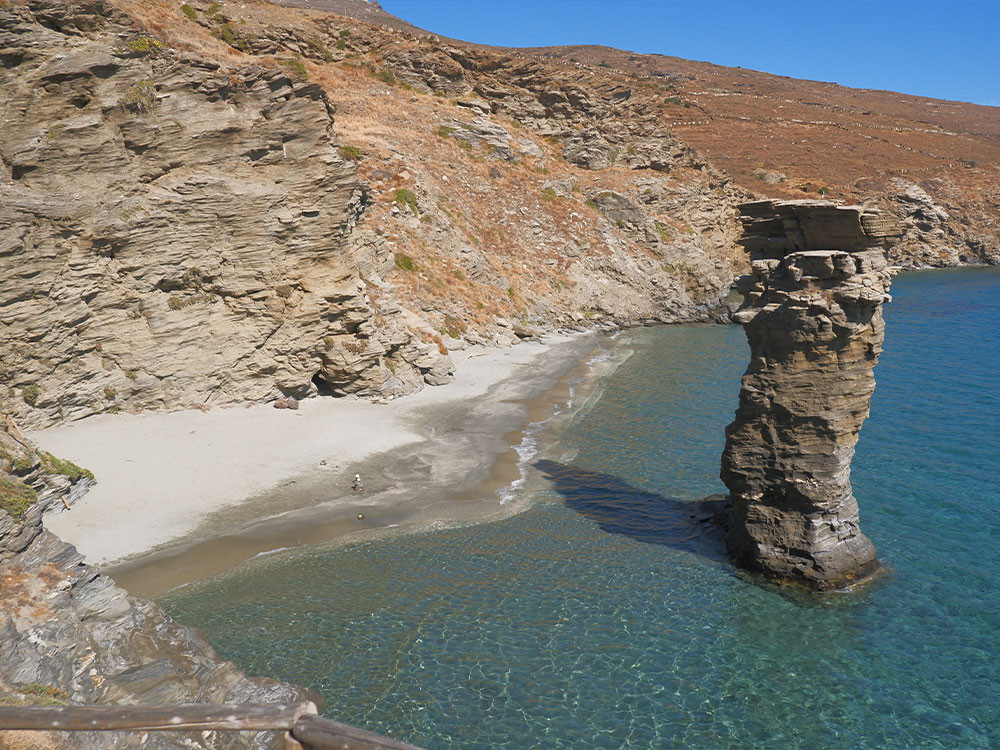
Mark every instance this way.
x=323 y=386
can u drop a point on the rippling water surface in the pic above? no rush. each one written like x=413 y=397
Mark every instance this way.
x=605 y=617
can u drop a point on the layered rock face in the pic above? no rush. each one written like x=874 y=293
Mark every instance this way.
x=812 y=315
x=177 y=233
x=510 y=164
x=68 y=628
x=933 y=237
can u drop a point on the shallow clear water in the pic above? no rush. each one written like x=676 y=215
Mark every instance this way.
x=604 y=616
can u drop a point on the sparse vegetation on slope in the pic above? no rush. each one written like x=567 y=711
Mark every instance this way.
x=16 y=497
x=406 y=198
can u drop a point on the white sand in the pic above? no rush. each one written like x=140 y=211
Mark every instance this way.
x=160 y=474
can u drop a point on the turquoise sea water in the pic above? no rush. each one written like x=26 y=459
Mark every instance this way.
x=605 y=617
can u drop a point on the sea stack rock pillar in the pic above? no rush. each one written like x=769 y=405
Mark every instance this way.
x=812 y=314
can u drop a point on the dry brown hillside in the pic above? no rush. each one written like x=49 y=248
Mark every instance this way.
x=747 y=121
x=792 y=138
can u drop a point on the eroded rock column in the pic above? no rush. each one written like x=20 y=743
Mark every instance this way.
x=812 y=315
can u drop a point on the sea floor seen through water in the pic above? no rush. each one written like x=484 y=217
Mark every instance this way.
x=604 y=616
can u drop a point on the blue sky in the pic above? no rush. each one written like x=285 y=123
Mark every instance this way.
x=948 y=49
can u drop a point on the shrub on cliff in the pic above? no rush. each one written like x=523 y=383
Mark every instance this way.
x=407 y=198
x=139 y=46
x=37 y=694
x=16 y=497
x=138 y=98
x=404 y=262
x=350 y=152
x=30 y=394
x=296 y=67
x=17 y=464
x=53 y=465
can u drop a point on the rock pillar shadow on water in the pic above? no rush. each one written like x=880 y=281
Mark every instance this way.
x=813 y=319
x=619 y=508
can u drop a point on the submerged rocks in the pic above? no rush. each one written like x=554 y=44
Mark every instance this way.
x=812 y=315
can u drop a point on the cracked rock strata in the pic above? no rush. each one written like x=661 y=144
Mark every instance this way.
x=813 y=318
x=173 y=232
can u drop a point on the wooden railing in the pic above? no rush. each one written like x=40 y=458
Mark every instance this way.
x=302 y=727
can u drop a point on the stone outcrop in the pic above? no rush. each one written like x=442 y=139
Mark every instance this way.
x=773 y=229
x=932 y=237
x=488 y=136
x=173 y=232
x=812 y=315
x=434 y=70
x=68 y=629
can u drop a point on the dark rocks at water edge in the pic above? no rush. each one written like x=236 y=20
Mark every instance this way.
x=69 y=633
x=812 y=314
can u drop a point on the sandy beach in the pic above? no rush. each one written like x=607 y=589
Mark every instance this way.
x=172 y=480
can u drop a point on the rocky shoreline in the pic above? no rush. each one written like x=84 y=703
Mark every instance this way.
x=71 y=635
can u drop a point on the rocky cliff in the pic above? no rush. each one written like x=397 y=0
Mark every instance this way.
x=174 y=232
x=70 y=634
x=812 y=315
x=187 y=228
x=216 y=202
x=517 y=196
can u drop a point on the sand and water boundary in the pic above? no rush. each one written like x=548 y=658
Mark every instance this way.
x=184 y=495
